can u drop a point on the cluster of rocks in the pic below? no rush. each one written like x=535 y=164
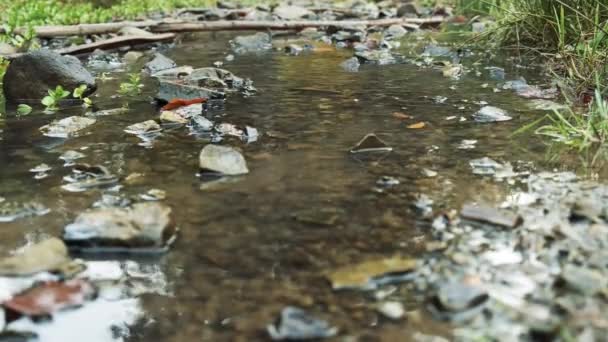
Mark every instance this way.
x=315 y=10
x=533 y=267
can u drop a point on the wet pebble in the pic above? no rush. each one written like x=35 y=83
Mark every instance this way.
x=67 y=127
x=85 y=177
x=297 y=324
x=154 y=195
x=200 y=124
x=158 y=63
x=491 y=114
x=47 y=255
x=490 y=215
x=144 y=227
x=585 y=280
x=143 y=128
x=484 y=166
x=351 y=65
x=70 y=156
x=392 y=310
x=12 y=211
x=458 y=302
x=387 y=182
x=222 y=160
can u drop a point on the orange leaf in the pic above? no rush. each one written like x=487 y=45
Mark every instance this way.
x=417 y=125
x=402 y=116
x=176 y=103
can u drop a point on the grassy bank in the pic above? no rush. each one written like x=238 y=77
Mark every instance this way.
x=16 y=13
x=572 y=37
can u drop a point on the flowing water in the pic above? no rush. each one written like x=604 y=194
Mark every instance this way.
x=252 y=245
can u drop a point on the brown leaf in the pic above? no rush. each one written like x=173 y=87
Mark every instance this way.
x=417 y=125
x=402 y=116
x=50 y=297
x=176 y=103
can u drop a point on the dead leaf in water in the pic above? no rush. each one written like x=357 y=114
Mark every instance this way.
x=371 y=274
x=402 y=116
x=50 y=297
x=417 y=125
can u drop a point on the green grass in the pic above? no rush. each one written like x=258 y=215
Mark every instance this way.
x=579 y=130
x=572 y=37
x=22 y=13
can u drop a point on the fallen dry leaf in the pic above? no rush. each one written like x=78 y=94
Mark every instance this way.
x=417 y=125
x=402 y=116
x=176 y=103
x=50 y=297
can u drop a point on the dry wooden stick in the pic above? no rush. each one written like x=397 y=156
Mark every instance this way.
x=116 y=42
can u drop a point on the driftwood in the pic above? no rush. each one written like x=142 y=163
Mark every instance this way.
x=108 y=44
x=116 y=42
x=164 y=26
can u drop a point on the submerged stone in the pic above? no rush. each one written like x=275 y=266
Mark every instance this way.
x=491 y=114
x=297 y=324
x=67 y=127
x=351 y=65
x=12 y=211
x=380 y=57
x=144 y=227
x=323 y=217
x=392 y=310
x=218 y=79
x=169 y=89
x=167 y=116
x=370 y=275
x=458 y=302
x=200 y=123
x=222 y=160
x=41 y=168
x=85 y=177
x=252 y=43
x=70 y=156
x=485 y=166
x=371 y=143
x=142 y=128
x=46 y=256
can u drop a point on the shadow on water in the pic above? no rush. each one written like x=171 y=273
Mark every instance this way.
x=243 y=253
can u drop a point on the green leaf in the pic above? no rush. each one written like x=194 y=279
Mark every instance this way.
x=48 y=101
x=24 y=109
x=78 y=92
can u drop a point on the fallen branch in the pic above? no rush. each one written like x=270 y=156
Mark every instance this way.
x=161 y=26
x=107 y=44
x=116 y=42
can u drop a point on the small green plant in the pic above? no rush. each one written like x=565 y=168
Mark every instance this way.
x=24 y=41
x=51 y=101
x=133 y=86
x=24 y=109
x=79 y=94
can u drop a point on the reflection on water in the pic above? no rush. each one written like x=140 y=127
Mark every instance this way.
x=254 y=244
